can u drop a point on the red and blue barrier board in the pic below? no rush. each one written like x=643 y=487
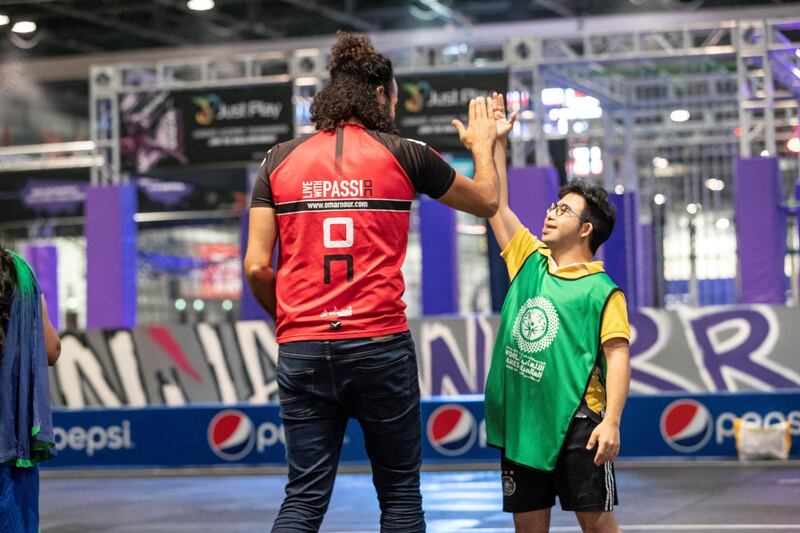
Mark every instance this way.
x=661 y=426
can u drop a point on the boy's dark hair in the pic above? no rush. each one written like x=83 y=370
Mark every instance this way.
x=357 y=69
x=598 y=211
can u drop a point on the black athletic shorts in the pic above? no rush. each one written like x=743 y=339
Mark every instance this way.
x=579 y=484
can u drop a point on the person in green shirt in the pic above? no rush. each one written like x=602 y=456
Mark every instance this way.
x=560 y=370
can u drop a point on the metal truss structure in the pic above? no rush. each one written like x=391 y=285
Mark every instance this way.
x=728 y=74
x=738 y=79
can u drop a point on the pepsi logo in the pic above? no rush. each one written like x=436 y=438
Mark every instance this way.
x=686 y=425
x=230 y=435
x=452 y=430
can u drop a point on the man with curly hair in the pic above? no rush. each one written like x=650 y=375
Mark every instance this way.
x=560 y=369
x=338 y=202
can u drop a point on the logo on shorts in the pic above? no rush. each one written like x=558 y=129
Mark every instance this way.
x=509 y=486
x=536 y=325
x=686 y=425
x=230 y=435
x=452 y=430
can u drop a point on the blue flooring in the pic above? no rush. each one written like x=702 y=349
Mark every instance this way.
x=684 y=498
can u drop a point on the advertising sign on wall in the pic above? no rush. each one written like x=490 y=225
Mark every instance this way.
x=713 y=349
x=428 y=103
x=42 y=193
x=454 y=431
x=203 y=126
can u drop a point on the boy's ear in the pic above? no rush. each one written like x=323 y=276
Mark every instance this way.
x=586 y=229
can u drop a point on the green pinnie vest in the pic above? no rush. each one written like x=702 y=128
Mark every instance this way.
x=547 y=345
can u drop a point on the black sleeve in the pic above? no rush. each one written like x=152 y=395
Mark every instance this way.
x=262 y=190
x=428 y=171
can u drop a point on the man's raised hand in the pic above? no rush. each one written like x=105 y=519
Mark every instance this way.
x=482 y=129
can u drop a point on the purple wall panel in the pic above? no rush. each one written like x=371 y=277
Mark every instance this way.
x=760 y=231
x=531 y=190
x=621 y=251
x=648 y=264
x=44 y=260
x=437 y=227
x=797 y=225
x=111 y=256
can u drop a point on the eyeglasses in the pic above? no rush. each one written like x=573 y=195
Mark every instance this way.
x=563 y=209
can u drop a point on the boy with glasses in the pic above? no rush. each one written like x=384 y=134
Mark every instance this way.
x=560 y=370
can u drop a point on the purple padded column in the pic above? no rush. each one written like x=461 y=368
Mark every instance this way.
x=797 y=200
x=111 y=257
x=760 y=231
x=44 y=260
x=531 y=190
x=620 y=251
x=437 y=228
x=647 y=262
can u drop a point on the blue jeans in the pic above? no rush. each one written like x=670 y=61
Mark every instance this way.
x=321 y=384
x=19 y=499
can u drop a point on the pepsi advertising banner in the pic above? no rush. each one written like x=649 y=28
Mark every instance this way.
x=669 y=426
x=427 y=103
x=178 y=437
x=702 y=425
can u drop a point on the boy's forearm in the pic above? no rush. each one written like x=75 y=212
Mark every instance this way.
x=618 y=377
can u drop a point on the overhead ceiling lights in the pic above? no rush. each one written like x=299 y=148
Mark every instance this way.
x=660 y=162
x=715 y=184
x=659 y=199
x=793 y=144
x=24 y=26
x=553 y=96
x=200 y=5
x=679 y=115
x=4 y=20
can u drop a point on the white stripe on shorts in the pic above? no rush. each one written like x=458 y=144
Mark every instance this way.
x=609 y=485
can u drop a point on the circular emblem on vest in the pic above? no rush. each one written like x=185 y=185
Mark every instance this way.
x=509 y=486
x=536 y=325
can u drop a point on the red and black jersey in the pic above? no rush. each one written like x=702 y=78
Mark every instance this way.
x=342 y=201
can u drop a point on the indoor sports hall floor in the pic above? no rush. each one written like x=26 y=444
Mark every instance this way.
x=654 y=498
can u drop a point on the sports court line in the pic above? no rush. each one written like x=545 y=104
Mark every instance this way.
x=637 y=527
x=697 y=527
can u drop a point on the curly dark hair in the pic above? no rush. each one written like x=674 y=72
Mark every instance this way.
x=357 y=70
x=8 y=284
x=598 y=211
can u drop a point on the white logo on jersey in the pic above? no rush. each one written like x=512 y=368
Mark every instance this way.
x=536 y=325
